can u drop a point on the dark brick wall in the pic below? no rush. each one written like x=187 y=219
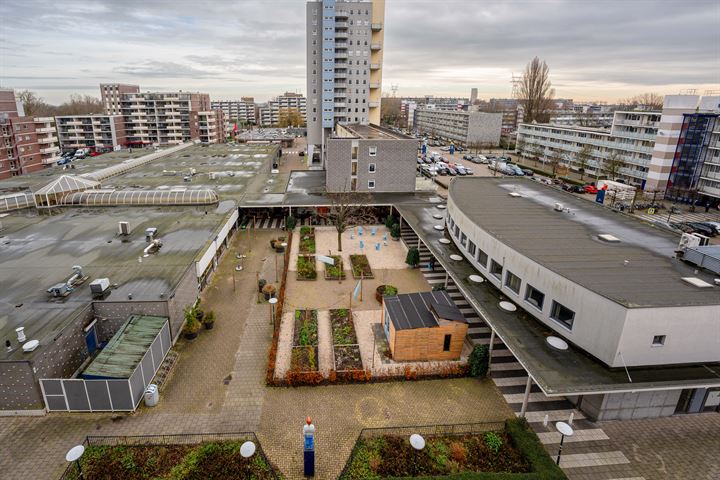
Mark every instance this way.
x=18 y=389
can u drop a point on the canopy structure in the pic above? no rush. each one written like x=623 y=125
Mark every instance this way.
x=53 y=193
x=178 y=196
x=15 y=201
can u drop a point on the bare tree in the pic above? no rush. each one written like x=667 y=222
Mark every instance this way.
x=80 y=105
x=583 y=158
x=536 y=92
x=520 y=145
x=34 y=105
x=554 y=160
x=347 y=209
x=611 y=165
x=649 y=101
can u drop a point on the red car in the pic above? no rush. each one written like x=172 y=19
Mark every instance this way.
x=591 y=189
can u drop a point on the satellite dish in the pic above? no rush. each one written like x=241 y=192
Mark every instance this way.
x=75 y=453
x=417 y=441
x=247 y=449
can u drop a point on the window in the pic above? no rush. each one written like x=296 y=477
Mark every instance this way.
x=482 y=258
x=446 y=343
x=354 y=153
x=658 y=340
x=457 y=231
x=513 y=282
x=496 y=269
x=562 y=314
x=371 y=183
x=372 y=151
x=534 y=297
x=471 y=248
x=371 y=168
x=463 y=239
x=353 y=168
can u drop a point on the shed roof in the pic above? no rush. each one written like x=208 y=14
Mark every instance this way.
x=126 y=348
x=415 y=310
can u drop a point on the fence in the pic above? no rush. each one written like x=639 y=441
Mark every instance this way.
x=426 y=431
x=70 y=472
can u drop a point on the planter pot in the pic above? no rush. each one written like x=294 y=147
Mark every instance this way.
x=200 y=316
x=209 y=325
x=267 y=296
x=396 y=239
x=191 y=335
x=260 y=288
x=279 y=249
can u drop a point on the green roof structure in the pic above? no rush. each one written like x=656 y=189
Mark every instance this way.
x=126 y=348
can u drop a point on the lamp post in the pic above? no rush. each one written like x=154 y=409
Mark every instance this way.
x=247 y=449
x=73 y=455
x=272 y=302
x=564 y=430
x=417 y=441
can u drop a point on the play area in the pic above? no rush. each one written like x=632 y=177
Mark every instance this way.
x=332 y=320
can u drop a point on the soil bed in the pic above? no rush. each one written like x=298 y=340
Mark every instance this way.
x=307 y=240
x=361 y=266
x=306 y=267
x=347 y=357
x=304 y=359
x=335 y=272
x=306 y=330
x=343 y=329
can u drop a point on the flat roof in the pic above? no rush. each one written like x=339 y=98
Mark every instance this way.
x=638 y=271
x=415 y=310
x=558 y=373
x=126 y=348
x=374 y=132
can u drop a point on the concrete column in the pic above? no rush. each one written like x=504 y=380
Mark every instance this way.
x=418 y=245
x=528 y=385
x=447 y=276
x=492 y=342
x=400 y=221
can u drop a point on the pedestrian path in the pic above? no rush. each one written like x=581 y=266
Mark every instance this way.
x=590 y=447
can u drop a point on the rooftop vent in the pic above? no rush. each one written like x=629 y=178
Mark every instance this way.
x=606 y=237
x=559 y=207
x=696 y=282
x=515 y=194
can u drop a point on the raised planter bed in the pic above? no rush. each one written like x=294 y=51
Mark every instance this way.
x=335 y=272
x=307 y=240
x=305 y=332
x=306 y=269
x=347 y=358
x=343 y=328
x=304 y=359
x=360 y=266
x=384 y=290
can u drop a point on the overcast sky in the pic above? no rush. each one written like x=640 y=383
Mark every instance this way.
x=596 y=49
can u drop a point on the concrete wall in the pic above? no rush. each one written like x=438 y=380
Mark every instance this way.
x=114 y=314
x=394 y=165
x=598 y=323
x=626 y=406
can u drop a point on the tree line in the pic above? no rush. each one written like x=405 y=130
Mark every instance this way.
x=36 y=106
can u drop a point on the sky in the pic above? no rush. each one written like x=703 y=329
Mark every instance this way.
x=596 y=49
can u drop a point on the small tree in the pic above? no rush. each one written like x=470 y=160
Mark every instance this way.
x=478 y=361
x=413 y=257
x=348 y=209
x=583 y=158
x=611 y=165
x=290 y=223
x=390 y=221
x=395 y=230
x=555 y=159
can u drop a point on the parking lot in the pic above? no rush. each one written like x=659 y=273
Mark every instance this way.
x=456 y=158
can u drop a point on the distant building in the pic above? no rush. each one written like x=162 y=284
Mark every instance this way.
x=99 y=133
x=461 y=127
x=473 y=95
x=29 y=143
x=290 y=105
x=241 y=111
x=369 y=158
x=212 y=126
x=111 y=93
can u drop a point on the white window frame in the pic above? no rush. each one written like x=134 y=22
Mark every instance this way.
x=372 y=168
x=372 y=151
x=371 y=184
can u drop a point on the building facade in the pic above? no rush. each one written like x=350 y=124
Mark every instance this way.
x=211 y=126
x=368 y=158
x=344 y=65
x=111 y=93
x=285 y=110
x=99 y=133
x=241 y=111
x=27 y=144
x=459 y=126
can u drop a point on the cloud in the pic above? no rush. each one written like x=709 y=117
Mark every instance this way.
x=608 y=49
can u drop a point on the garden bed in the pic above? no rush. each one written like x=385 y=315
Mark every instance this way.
x=335 y=272
x=306 y=269
x=307 y=240
x=343 y=328
x=360 y=266
x=217 y=460
x=304 y=359
x=347 y=358
x=305 y=332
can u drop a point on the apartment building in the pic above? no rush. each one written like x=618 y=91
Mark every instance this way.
x=407 y=112
x=99 y=133
x=459 y=126
x=289 y=109
x=211 y=125
x=27 y=144
x=630 y=140
x=369 y=158
x=344 y=65
x=111 y=93
x=162 y=118
x=238 y=111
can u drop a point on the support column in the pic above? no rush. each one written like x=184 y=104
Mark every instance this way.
x=418 y=245
x=490 y=350
x=447 y=276
x=401 y=218
x=528 y=385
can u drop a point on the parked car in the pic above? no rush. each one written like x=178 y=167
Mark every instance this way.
x=469 y=171
x=467 y=157
x=715 y=227
x=567 y=187
x=518 y=171
x=590 y=189
x=445 y=149
x=451 y=171
x=461 y=170
x=442 y=171
x=475 y=160
x=528 y=172
x=420 y=161
x=578 y=189
x=429 y=160
x=459 y=149
x=702 y=229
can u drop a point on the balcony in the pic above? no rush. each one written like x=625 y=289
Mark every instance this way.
x=340 y=105
x=340 y=95
x=50 y=150
x=341 y=45
x=341 y=35
x=340 y=75
x=375 y=66
x=342 y=24
x=376 y=27
x=374 y=85
x=45 y=130
x=375 y=46
x=373 y=104
x=47 y=139
x=340 y=55
x=341 y=14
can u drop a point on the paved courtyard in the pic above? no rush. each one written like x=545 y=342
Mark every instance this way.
x=218 y=386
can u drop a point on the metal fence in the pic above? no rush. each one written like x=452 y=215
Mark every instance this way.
x=427 y=431
x=70 y=472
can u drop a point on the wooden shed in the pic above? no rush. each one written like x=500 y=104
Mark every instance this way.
x=424 y=326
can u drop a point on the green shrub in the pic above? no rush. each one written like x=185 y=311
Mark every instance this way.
x=413 y=257
x=493 y=441
x=525 y=440
x=478 y=361
x=390 y=291
x=390 y=221
x=437 y=287
x=395 y=231
x=290 y=223
x=305 y=230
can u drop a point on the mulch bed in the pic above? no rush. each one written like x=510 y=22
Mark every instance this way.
x=360 y=266
x=335 y=272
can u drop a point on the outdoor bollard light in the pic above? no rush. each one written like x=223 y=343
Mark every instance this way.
x=247 y=449
x=73 y=455
x=417 y=441
x=564 y=430
x=309 y=448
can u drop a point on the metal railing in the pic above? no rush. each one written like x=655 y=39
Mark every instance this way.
x=70 y=472
x=427 y=431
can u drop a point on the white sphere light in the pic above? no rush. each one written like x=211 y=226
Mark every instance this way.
x=247 y=449
x=417 y=441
